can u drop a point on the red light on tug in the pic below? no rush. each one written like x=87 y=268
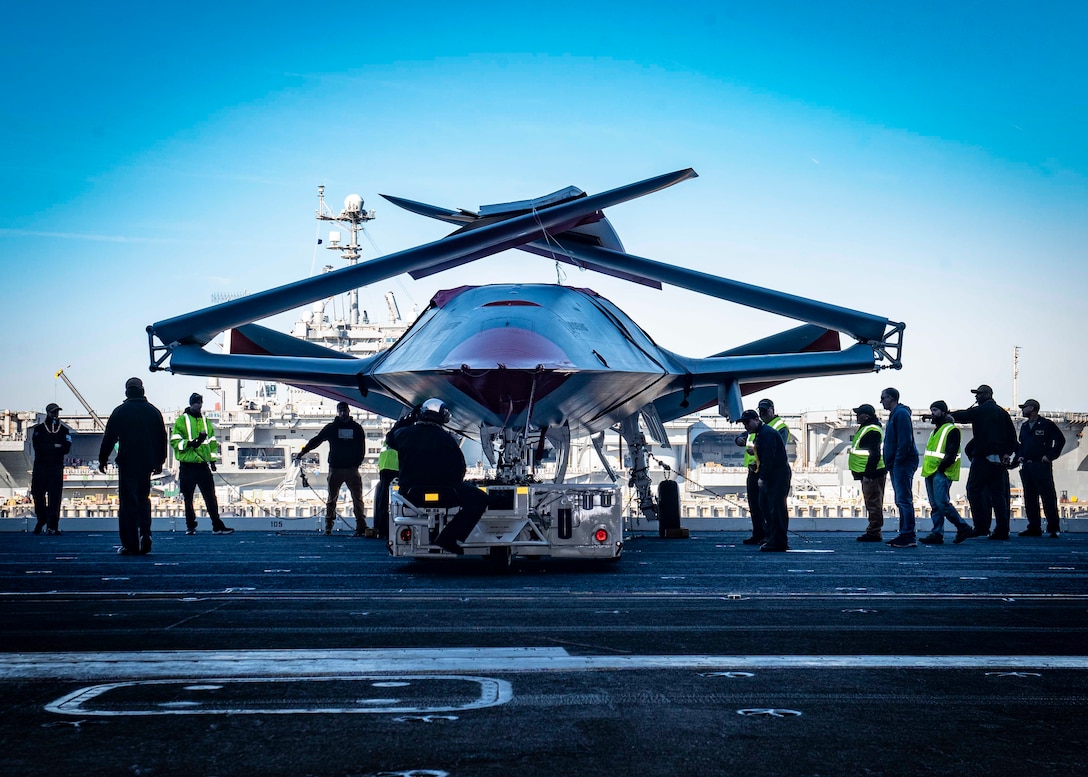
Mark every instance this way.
x=601 y=535
x=405 y=535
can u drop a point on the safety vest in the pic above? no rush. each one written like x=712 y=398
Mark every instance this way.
x=859 y=457
x=186 y=429
x=775 y=423
x=750 y=458
x=389 y=459
x=778 y=425
x=936 y=449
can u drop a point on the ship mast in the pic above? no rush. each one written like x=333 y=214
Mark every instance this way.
x=352 y=218
x=1015 y=374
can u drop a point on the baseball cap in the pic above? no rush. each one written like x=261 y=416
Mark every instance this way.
x=748 y=415
x=868 y=409
x=1027 y=403
x=982 y=389
x=766 y=403
x=54 y=406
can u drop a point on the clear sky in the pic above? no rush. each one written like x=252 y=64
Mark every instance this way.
x=922 y=161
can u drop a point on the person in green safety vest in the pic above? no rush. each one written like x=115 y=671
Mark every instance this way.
x=940 y=468
x=388 y=466
x=866 y=462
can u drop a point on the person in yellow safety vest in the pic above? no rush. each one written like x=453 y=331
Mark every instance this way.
x=748 y=442
x=197 y=451
x=388 y=467
x=866 y=462
x=940 y=468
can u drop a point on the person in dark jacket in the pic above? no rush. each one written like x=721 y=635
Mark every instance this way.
x=1041 y=441
x=51 y=440
x=430 y=460
x=866 y=462
x=747 y=441
x=137 y=429
x=347 y=446
x=774 y=480
x=901 y=459
x=991 y=450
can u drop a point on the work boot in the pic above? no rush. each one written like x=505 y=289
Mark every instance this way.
x=328 y=527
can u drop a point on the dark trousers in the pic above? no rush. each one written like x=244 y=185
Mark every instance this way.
x=381 y=502
x=194 y=475
x=45 y=488
x=872 y=491
x=339 y=476
x=1038 y=480
x=772 y=497
x=988 y=495
x=755 y=510
x=473 y=503
x=134 y=505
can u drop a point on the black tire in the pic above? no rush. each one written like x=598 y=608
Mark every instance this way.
x=668 y=507
x=501 y=559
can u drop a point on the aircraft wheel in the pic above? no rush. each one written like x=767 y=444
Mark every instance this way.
x=501 y=559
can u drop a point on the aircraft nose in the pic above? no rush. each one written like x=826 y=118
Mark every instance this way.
x=511 y=347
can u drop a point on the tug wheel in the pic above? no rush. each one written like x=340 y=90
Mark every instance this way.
x=501 y=559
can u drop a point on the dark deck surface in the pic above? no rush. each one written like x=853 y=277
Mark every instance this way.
x=298 y=654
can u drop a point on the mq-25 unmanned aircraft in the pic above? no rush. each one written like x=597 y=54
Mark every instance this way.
x=522 y=366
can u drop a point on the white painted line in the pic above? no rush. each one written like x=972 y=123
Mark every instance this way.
x=187 y=699
x=204 y=664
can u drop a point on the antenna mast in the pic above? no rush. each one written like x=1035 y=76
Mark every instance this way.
x=352 y=218
x=1015 y=374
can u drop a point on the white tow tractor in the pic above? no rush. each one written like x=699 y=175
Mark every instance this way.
x=557 y=520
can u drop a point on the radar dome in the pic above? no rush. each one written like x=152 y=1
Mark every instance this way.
x=353 y=203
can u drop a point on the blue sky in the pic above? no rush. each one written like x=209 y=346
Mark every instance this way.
x=922 y=161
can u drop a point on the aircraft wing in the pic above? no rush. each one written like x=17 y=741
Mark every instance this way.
x=864 y=327
x=596 y=232
x=201 y=326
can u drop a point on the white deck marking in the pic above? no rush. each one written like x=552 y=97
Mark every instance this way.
x=204 y=665
x=229 y=696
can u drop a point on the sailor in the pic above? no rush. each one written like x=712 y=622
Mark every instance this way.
x=773 y=481
x=197 y=451
x=51 y=440
x=1041 y=441
x=431 y=461
x=941 y=468
x=137 y=429
x=992 y=448
x=769 y=417
x=347 y=446
x=866 y=464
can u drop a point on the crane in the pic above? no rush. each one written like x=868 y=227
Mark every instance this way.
x=99 y=424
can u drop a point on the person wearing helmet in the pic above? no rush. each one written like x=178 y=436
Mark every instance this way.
x=431 y=460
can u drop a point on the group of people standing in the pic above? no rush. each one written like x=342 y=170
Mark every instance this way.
x=136 y=431
x=879 y=454
x=876 y=455
x=418 y=449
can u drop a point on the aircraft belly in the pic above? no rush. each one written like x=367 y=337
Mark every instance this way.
x=499 y=397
